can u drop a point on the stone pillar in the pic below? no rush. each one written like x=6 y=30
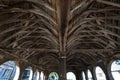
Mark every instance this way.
x=93 y=74
x=107 y=71
x=21 y=73
x=39 y=74
x=33 y=70
x=46 y=73
x=22 y=69
x=62 y=68
x=108 y=68
x=86 y=76
x=78 y=75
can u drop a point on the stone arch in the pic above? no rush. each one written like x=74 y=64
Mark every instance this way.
x=100 y=74
x=54 y=76
x=17 y=71
x=83 y=75
x=115 y=69
x=42 y=76
x=27 y=73
x=36 y=75
x=71 y=76
x=9 y=69
x=89 y=75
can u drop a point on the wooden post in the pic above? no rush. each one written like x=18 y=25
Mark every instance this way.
x=62 y=69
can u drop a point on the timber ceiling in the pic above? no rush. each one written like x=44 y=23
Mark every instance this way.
x=41 y=32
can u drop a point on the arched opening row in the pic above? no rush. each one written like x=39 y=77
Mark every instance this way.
x=55 y=76
x=10 y=71
x=99 y=74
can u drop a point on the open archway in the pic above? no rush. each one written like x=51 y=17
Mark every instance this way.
x=53 y=76
x=89 y=74
x=9 y=71
x=83 y=76
x=17 y=73
x=100 y=75
x=42 y=77
x=36 y=75
x=71 y=76
x=27 y=75
x=115 y=69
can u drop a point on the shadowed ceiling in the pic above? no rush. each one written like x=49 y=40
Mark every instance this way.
x=41 y=32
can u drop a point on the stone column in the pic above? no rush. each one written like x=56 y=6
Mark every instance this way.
x=78 y=75
x=81 y=78
x=22 y=69
x=93 y=73
x=46 y=73
x=39 y=74
x=107 y=71
x=86 y=75
x=33 y=70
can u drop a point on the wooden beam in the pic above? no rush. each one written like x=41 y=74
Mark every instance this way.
x=78 y=5
x=76 y=37
x=17 y=33
x=106 y=31
x=12 y=19
x=117 y=17
x=81 y=11
x=20 y=59
x=39 y=12
x=109 y=3
x=12 y=43
x=85 y=20
x=63 y=22
x=49 y=26
x=30 y=49
x=79 y=26
x=78 y=55
x=101 y=10
x=101 y=40
x=77 y=20
x=40 y=2
x=95 y=50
